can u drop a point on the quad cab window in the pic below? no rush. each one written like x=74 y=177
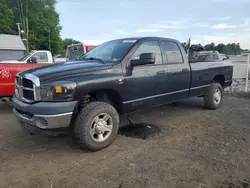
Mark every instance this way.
x=172 y=52
x=149 y=47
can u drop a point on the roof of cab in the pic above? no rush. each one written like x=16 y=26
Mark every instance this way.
x=147 y=38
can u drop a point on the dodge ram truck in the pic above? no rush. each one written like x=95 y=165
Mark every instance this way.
x=87 y=96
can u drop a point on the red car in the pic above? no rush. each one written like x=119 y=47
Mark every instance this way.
x=9 y=69
x=7 y=78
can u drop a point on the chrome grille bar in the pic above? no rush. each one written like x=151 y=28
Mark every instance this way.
x=19 y=88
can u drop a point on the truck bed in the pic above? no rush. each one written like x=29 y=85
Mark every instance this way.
x=202 y=73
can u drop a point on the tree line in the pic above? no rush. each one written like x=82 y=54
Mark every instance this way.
x=228 y=49
x=38 y=21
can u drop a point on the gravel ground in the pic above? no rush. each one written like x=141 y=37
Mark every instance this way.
x=194 y=148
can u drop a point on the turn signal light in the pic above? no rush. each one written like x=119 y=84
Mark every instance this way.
x=59 y=89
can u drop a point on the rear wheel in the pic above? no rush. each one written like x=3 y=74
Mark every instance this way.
x=96 y=126
x=213 y=97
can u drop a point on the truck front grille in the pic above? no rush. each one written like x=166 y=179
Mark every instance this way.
x=27 y=88
x=28 y=94
x=27 y=83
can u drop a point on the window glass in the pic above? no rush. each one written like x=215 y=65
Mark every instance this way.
x=41 y=56
x=172 y=52
x=149 y=47
x=26 y=56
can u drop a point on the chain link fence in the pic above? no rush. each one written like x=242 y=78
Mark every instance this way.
x=241 y=73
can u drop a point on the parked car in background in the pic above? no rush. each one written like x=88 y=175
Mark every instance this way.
x=9 y=69
x=223 y=57
x=76 y=50
x=59 y=59
x=40 y=56
x=211 y=56
x=116 y=77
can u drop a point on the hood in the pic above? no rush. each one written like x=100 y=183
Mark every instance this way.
x=57 y=70
x=11 y=61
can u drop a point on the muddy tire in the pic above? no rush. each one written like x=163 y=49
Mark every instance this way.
x=213 y=97
x=96 y=126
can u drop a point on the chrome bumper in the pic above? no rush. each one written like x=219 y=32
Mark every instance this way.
x=45 y=121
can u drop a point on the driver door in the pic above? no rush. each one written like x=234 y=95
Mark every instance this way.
x=41 y=58
x=142 y=84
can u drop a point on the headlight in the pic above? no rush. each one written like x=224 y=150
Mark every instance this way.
x=57 y=91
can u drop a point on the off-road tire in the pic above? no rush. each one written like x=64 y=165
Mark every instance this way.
x=83 y=121
x=209 y=96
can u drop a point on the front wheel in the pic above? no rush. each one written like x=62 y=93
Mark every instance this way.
x=213 y=97
x=96 y=126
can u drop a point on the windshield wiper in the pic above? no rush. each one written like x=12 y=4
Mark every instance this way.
x=93 y=58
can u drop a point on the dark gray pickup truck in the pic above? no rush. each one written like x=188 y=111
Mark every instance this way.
x=116 y=77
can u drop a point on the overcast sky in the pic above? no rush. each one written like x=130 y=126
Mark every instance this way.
x=205 y=21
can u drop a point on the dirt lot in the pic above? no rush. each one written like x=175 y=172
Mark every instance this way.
x=195 y=148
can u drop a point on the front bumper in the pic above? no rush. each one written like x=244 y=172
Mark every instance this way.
x=44 y=121
x=44 y=115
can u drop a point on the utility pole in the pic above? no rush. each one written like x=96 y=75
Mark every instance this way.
x=27 y=26
x=49 y=41
x=34 y=43
x=19 y=29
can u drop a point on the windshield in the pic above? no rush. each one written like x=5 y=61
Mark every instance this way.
x=25 y=57
x=112 y=51
x=74 y=51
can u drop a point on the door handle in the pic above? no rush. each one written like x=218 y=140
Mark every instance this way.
x=161 y=72
x=185 y=70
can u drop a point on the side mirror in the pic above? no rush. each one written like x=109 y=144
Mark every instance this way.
x=145 y=58
x=32 y=60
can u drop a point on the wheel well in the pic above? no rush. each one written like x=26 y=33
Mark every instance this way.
x=107 y=95
x=219 y=79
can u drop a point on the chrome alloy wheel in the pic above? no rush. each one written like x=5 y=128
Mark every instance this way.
x=217 y=96
x=101 y=127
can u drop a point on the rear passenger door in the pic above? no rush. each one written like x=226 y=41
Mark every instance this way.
x=177 y=72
